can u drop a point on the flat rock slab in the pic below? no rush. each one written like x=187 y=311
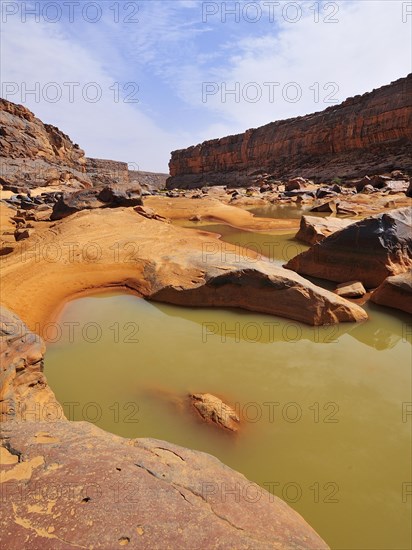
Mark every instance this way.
x=367 y=251
x=120 y=248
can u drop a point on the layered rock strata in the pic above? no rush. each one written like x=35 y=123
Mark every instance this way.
x=34 y=154
x=367 y=251
x=371 y=133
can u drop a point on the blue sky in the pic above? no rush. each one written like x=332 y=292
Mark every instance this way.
x=181 y=58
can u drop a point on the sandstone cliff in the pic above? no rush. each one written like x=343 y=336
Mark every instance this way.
x=34 y=154
x=371 y=133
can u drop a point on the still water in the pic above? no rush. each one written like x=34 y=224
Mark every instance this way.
x=321 y=408
x=280 y=246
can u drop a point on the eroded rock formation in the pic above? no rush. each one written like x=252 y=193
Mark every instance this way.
x=212 y=409
x=313 y=229
x=395 y=292
x=367 y=251
x=371 y=133
x=34 y=154
x=119 y=247
x=61 y=480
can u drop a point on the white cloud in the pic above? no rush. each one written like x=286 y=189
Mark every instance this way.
x=370 y=46
x=106 y=128
x=173 y=52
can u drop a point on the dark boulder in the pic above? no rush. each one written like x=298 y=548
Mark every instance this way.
x=395 y=292
x=368 y=251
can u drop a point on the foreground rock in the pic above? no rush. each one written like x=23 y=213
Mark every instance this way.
x=313 y=229
x=368 y=251
x=395 y=292
x=120 y=248
x=213 y=409
x=24 y=392
x=68 y=485
x=61 y=481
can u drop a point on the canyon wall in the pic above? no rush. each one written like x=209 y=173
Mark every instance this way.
x=150 y=181
x=366 y=134
x=105 y=172
x=34 y=154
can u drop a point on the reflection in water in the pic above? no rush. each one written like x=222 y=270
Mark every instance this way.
x=280 y=246
x=321 y=406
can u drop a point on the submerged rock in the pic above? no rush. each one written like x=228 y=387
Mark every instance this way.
x=369 y=251
x=62 y=480
x=213 y=409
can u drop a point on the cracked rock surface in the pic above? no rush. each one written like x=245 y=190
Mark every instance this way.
x=72 y=485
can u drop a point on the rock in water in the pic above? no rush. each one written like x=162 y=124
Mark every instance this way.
x=213 y=409
x=353 y=289
x=395 y=292
x=313 y=230
x=369 y=251
x=62 y=480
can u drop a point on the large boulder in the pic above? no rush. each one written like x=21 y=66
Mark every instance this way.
x=313 y=229
x=111 y=196
x=61 y=481
x=395 y=292
x=368 y=251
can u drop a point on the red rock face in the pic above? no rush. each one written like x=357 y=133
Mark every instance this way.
x=34 y=154
x=371 y=133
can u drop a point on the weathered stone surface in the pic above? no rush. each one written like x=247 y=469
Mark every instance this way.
x=116 y=195
x=150 y=214
x=107 y=172
x=61 y=481
x=89 y=199
x=313 y=229
x=213 y=409
x=352 y=289
x=368 y=251
x=23 y=233
x=149 y=181
x=24 y=393
x=296 y=183
x=395 y=292
x=371 y=133
x=76 y=486
x=329 y=207
x=34 y=154
x=161 y=262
